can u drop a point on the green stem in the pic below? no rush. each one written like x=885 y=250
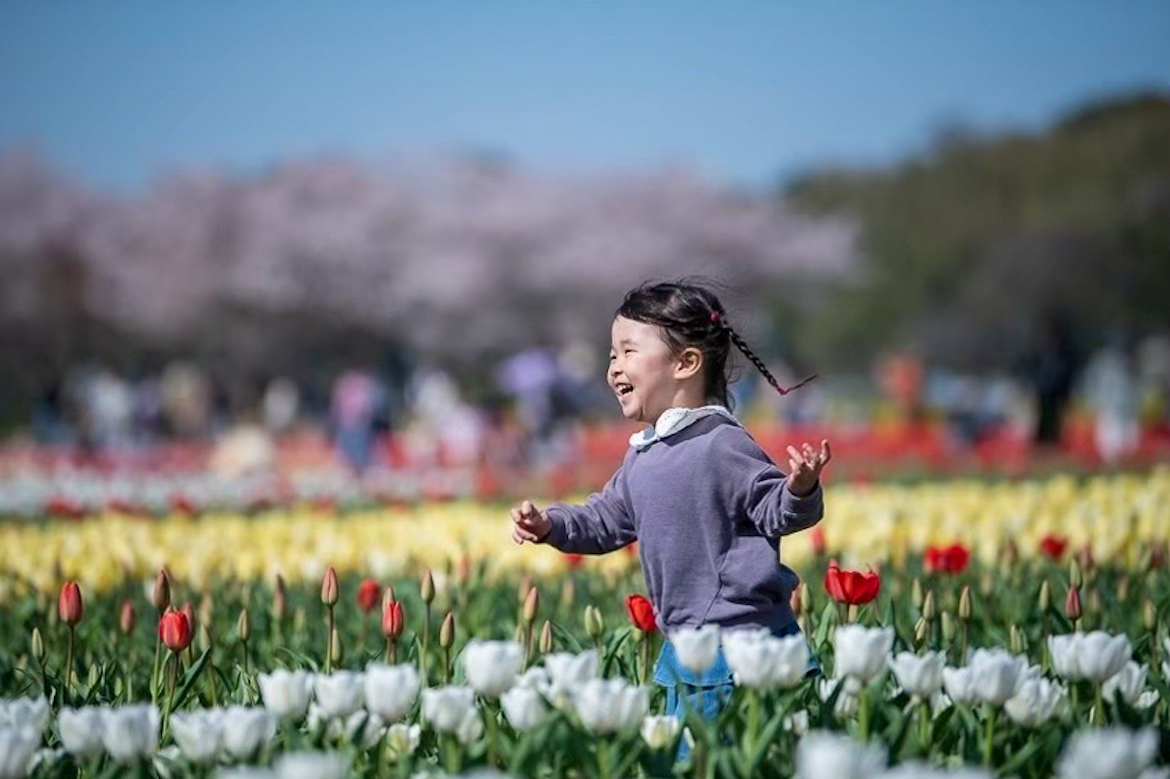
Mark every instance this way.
x=454 y=754
x=426 y=644
x=989 y=735
x=69 y=665
x=489 y=718
x=863 y=713
x=753 y=731
x=154 y=674
x=924 y=725
x=602 y=758
x=1098 y=718
x=328 y=645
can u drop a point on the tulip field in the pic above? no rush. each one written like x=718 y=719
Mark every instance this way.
x=958 y=628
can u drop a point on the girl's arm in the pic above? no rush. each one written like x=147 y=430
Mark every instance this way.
x=602 y=525
x=756 y=483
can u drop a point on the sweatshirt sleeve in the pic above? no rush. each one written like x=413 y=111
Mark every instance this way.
x=762 y=488
x=603 y=524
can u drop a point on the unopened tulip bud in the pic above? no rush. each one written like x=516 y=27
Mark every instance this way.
x=126 y=618
x=162 y=592
x=594 y=623
x=1072 y=604
x=279 y=599
x=546 y=638
x=965 y=603
x=1075 y=580
x=427 y=587
x=1123 y=588
x=928 y=606
x=205 y=639
x=329 y=587
x=531 y=606
x=393 y=620
x=388 y=595
x=91 y=676
x=335 y=654
x=1094 y=604
x=986 y=584
x=1149 y=615
x=463 y=571
x=916 y=595
x=1045 y=597
x=299 y=619
x=948 y=627
x=568 y=594
x=189 y=612
x=1016 y=640
x=37 y=645
x=805 y=599
x=69 y=604
x=518 y=634
x=921 y=629
x=243 y=626
x=447 y=631
x=525 y=586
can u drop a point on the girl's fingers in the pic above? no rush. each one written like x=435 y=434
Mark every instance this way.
x=795 y=455
x=515 y=512
x=527 y=509
x=826 y=451
x=516 y=537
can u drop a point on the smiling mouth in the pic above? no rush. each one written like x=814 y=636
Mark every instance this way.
x=623 y=389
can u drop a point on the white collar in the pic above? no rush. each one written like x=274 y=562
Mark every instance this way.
x=674 y=420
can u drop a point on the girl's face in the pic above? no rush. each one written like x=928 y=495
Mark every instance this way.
x=641 y=370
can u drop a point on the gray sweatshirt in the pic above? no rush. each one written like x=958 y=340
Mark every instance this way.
x=707 y=507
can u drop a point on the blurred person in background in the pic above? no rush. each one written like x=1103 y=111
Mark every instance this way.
x=358 y=401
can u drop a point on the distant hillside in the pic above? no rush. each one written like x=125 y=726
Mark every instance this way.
x=970 y=245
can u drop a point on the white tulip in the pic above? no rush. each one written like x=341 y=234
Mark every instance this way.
x=1094 y=656
x=823 y=754
x=130 y=732
x=997 y=674
x=524 y=708
x=1109 y=753
x=311 y=765
x=199 y=734
x=610 y=705
x=340 y=693
x=1035 y=702
x=364 y=728
x=660 y=732
x=245 y=772
x=567 y=672
x=696 y=648
x=24 y=712
x=847 y=700
x=1147 y=699
x=862 y=652
x=762 y=661
x=286 y=693
x=921 y=676
x=492 y=666
x=1130 y=681
x=17 y=746
x=445 y=707
x=402 y=740
x=391 y=690
x=961 y=685
x=535 y=678
x=247 y=730
x=81 y=730
x=470 y=728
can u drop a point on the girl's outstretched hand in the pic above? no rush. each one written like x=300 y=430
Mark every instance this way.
x=805 y=466
x=529 y=524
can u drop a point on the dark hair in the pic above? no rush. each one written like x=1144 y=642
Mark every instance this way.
x=688 y=314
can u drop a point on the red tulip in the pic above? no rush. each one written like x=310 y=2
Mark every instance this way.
x=368 y=596
x=175 y=631
x=947 y=559
x=1072 y=604
x=852 y=587
x=126 y=617
x=641 y=613
x=1053 y=546
x=393 y=620
x=189 y=613
x=69 y=605
x=574 y=561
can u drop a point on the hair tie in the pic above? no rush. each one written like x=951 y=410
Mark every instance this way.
x=715 y=318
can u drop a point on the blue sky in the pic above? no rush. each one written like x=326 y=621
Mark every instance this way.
x=747 y=92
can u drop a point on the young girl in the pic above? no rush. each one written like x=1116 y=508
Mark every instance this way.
x=705 y=503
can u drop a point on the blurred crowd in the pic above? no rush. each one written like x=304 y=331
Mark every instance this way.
x=530 y=411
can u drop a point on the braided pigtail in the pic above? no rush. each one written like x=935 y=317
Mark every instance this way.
x=718 y=321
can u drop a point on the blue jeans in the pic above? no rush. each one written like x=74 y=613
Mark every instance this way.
x=710 y=689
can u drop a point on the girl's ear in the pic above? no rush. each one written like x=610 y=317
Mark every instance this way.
x=690 y=363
